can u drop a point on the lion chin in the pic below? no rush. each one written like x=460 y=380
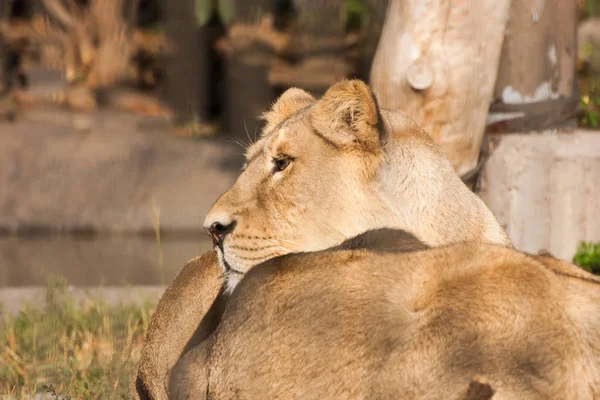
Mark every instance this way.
x=232 y=275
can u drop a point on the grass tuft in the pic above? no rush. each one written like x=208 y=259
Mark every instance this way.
x=588 y=257
x=70 y=351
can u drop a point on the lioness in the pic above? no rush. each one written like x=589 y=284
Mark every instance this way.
x=323 y=171
x=362 y=322
x=328 y=170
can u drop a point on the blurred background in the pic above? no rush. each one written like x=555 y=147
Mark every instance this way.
x=122 y=121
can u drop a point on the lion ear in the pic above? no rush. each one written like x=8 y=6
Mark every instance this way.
x=288 y=103
x=348 y=115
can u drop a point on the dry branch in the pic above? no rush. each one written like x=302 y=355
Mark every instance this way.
x=242 y=36
x=57 y=10
x=92 y=45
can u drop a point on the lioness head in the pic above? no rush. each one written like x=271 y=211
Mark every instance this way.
x=327 y=170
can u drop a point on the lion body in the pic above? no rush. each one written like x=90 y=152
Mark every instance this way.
x=363 y=324
x=405 y=323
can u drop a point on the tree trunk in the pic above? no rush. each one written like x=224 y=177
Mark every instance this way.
x=536 y=86
x=437 y=62
x=130 y=12
x=186 y=86
x=247 y=93
x=376 y=11
x=4 y=17
x=315 y=57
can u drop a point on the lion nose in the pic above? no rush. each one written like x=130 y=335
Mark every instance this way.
x=218 y=231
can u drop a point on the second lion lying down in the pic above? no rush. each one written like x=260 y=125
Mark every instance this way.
x=406 y=324
x=381 y=318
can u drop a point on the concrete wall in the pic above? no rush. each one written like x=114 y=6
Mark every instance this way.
x=545 y=189
x=108 y=176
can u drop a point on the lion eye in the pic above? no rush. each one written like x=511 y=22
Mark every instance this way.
x=281 y=163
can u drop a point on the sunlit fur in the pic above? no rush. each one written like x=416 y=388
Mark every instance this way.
x=354 y=168
x=402 y=322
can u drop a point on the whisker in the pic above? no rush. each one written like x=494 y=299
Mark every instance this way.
x=233 y=246
x=239 y=143
x=297 y=246
x=263 y=258
x=250 y=143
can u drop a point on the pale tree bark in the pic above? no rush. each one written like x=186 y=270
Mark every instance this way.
x=437 y=61
x=536 y=86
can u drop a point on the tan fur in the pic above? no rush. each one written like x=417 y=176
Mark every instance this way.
x=359 y=324
x=355 y=168
x=290 y=101
x=178 y=318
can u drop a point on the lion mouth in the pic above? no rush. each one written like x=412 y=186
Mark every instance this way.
x=227 y=268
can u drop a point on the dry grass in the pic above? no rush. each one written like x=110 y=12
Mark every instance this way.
x=92 y=45
x=87 y=351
